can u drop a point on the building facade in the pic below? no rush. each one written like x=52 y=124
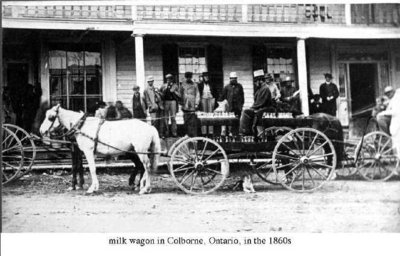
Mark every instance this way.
x=87 y=51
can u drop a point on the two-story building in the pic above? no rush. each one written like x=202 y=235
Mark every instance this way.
x=85 y=51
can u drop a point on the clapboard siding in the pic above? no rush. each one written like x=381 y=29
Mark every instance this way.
x=319 y=63
x=126 y=72
x=237 y=58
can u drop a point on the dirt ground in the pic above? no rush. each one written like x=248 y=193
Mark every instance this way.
x=42 y=203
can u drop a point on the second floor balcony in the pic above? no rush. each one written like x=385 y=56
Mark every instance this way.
x=332 y=14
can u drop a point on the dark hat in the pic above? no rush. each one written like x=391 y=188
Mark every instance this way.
x=169 y=76
x=329 y=75
x=269 y=76
x=135 y=87
x=188 y=74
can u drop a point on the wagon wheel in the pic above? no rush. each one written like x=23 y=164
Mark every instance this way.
x=264 y=168
x=376 y=160
x=12 y=156
x=199 y=165
x=308 y=157
x=28 y=145
x=175 y=144
x=348 y=163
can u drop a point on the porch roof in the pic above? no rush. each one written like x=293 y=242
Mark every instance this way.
x=266 y=30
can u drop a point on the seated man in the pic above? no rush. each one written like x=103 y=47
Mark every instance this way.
x=383 y=118
x=262 y=101
x=124 y=113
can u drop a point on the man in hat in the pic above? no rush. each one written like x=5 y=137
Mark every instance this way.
x=262 y=101
x=153 y=99
x=208 y=94
x=328 y=92
x=233 y=96
x=383 y=118
x=190 y=100
x=290 y=95
x=138 y=104
x=273 y=88
x=170 y=93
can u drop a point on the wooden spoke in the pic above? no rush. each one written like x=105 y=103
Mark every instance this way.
x=200 y=176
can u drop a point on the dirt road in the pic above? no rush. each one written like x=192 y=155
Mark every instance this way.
x=41 y=203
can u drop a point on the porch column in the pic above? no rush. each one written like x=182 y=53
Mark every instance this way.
x=302 y=74
x=139 y=60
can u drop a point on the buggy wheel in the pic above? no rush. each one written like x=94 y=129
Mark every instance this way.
x=12 y=156
x=262 y=164
x=199 y=165
x=377 y=160
x=304 y=159
x=348 y=164
x=28 y=145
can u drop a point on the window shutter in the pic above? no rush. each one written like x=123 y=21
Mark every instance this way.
x=259 y=57
x=170 y=61
x=214 y=66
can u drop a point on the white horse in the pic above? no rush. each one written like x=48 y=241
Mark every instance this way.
x=114 y=138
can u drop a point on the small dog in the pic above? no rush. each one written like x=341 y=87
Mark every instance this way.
x=245 y=184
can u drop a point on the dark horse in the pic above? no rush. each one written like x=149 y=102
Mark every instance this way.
x=332 y=128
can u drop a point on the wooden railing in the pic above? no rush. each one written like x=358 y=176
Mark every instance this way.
x=297 y=13
x=376 y=14
x=101 y=12
x=358 y=14
x=191 y=13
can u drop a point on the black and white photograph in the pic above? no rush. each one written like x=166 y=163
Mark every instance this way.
x=228 y=117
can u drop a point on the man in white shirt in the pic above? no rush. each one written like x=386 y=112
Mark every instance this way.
x=384 y=118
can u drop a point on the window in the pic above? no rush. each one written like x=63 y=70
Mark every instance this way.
x=280 y=62
x=75 y=77
x=192 y=59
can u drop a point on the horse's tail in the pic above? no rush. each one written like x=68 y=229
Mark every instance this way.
x=155 y=149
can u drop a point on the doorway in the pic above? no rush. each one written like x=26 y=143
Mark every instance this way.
x=17 y=80
x=364 y=88
x=363 y=84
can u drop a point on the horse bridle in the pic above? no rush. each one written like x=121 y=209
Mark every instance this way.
x=74 y=128
x=53 y=118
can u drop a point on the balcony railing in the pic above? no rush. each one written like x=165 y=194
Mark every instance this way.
x=298 y=13
x=100 y=12
x=191 y=13
x=338 y=14
x=376 y=14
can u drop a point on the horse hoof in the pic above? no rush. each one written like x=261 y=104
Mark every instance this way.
x=71 y=188
x=79 y=188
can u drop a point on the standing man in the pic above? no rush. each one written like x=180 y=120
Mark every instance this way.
x=273 y=88
x=170 y=93
x=155 y=106
x=233 y=96
x=290 y=95
x=208 y=94
x=384 y=117
x=138 y=104
x=190 y=100
x=328 y=92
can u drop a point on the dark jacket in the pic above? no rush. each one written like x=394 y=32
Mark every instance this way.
x=234 y=95
x=153 y=99
x=262 y=98
x=190 y=96
x=170 y=92
x=325 y=91
x=139 y=106
x=213 y=90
